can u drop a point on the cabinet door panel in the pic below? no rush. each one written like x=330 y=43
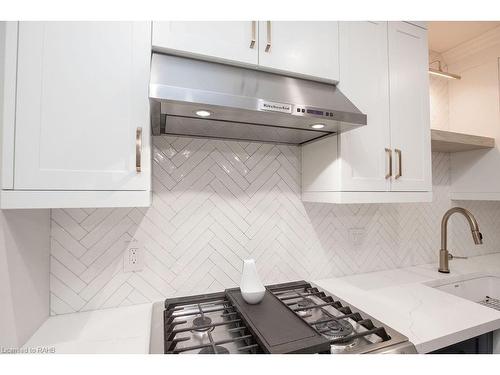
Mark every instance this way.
x=221 y=40
x=409 y=103
x=82 y=92
x=308 y=49
x=364 y=80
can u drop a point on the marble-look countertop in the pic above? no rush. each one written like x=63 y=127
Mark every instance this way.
x=400 y=298
x=121 y=330
x=430 y=318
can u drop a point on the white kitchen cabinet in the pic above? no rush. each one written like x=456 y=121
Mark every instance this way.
x=82 y=126
x=409 y=103
x=421 y=24
x=8 y=67
x=308 y=49
x=362 y=150
x=233 y=41
x=361 y=165
x=298 y=48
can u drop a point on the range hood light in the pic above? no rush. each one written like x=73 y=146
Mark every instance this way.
x=317 y=126
x=203 y=113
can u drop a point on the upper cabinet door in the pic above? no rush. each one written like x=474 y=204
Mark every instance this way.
x=306 y=49
x=364 y=80
x=82 y=94
x=409 y=98
x=235 y=41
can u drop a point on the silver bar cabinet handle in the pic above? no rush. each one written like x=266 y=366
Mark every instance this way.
x=138 y=149
x=388 y=152
x=254 y=34
x=400 y=163
x=268 y=44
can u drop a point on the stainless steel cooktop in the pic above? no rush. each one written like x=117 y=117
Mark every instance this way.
x=293 y=318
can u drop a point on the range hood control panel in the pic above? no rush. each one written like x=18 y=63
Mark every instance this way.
x=314 y=112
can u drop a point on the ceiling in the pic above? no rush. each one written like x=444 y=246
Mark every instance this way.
x=443 y=36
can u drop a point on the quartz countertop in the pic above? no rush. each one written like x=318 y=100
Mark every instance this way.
x=117 y=330
x=400 y=298
x=430 y=318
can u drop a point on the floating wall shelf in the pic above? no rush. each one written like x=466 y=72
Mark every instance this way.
x=446 y=141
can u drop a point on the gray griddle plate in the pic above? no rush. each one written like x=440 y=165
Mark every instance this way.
x=276 y=328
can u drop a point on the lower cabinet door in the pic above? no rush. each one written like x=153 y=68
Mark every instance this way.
x=477 y=345
x=82 y=116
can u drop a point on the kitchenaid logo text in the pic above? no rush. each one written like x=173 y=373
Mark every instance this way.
x=275 y=107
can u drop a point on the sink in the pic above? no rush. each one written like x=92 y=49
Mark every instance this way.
x=484 y=289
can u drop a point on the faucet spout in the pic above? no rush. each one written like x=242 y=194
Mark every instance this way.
x=474 y=227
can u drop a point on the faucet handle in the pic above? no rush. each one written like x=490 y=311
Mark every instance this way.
x=451 y=257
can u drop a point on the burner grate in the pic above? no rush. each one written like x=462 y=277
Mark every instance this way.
x=213 y=344
x=188 y=316
x=297 y=291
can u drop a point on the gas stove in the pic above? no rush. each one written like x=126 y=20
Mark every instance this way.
x=292 y=318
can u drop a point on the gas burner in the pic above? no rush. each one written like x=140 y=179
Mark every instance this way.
x=201 y=322
x=210 y=350
x=343 y=347
x=335 y=329
x=304 y=303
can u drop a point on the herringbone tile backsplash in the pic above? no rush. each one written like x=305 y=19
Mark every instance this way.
x=217 y=202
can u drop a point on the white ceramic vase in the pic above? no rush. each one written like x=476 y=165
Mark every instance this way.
x=251 y=287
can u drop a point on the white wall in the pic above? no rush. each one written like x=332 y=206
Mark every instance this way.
x=474 y=100
x=439 y=97
x=24 y=274
x=474 y=107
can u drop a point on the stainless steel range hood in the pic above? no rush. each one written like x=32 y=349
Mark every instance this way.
x=243 y=103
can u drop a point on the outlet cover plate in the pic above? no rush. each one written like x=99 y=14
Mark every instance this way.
x=133 y=257
x=357 y=236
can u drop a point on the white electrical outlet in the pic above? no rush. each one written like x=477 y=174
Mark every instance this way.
x=357 y=236
x=133 y=258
